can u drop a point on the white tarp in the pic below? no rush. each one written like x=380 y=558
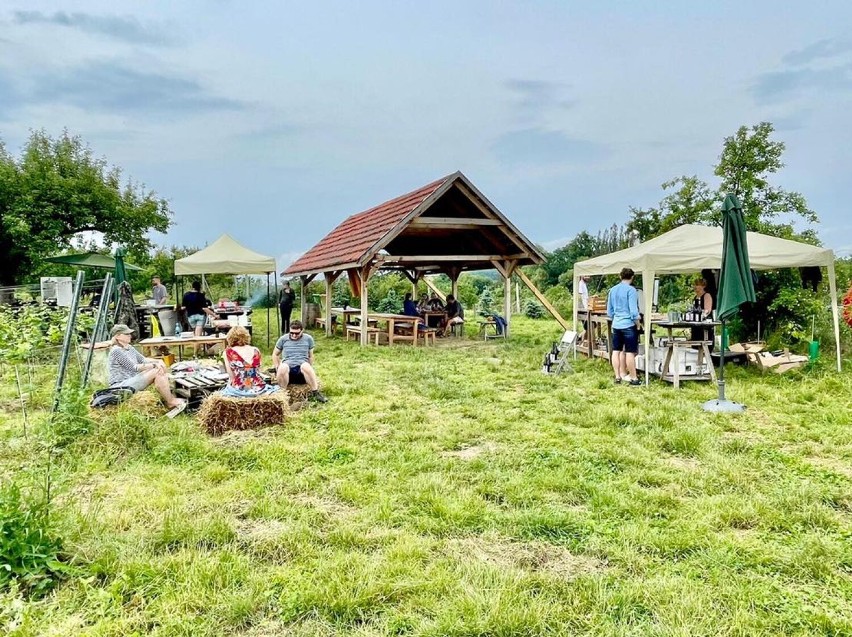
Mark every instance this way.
x=225 y=256
x=691 y=248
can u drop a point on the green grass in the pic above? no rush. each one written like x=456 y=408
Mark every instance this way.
x=458 y=491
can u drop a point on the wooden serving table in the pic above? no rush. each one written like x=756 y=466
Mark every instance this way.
x=598 y=326
x=672 y=347
x=175 y=341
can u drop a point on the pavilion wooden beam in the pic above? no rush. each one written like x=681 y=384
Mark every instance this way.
x=453 y=223
x=474 y=198
x=435 y=289
x=543 y=299
x=364 y=275
x=445 y=258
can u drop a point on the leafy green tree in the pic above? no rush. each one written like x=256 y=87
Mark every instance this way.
x=59 y=189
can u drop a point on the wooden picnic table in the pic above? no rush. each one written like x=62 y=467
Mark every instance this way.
x=392 y=320
x=180 y=342
x=428 y=315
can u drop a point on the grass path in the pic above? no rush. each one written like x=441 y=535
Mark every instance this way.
x=458 y=491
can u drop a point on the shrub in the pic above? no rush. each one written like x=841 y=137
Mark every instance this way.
x=486 y=300
x=391 y=303
x=533 y=309
x=30 y=548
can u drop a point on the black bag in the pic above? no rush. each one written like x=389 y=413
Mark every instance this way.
x=111 y=396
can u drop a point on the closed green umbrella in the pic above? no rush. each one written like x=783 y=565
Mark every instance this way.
x=735 y=285
x=120 y=270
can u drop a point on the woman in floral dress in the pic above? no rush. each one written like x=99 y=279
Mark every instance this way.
x=242 y=362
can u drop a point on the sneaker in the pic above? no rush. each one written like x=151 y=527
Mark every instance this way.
x=318 y=396
x=617 y=381
x=635 y=382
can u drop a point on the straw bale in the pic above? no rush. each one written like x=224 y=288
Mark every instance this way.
x=146 y=403
x=220 y=413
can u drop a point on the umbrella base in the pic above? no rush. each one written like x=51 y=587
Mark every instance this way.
x=723 y=406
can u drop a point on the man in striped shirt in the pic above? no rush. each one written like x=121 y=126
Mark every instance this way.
x=128 y=368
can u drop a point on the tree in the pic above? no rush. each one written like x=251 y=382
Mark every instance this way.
x=57 y=190
x=749 y=157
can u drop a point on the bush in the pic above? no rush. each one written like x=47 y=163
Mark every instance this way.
x=30 y=548
x=391 y=304
x=561 y=299
x=533 y=309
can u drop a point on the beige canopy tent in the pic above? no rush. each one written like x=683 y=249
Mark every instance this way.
x=691 y=248
x=226 y=256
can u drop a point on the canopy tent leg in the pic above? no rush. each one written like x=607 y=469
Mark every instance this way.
x=832 y=287
x=277 y=306
x=543 y=300
x=268 y=327
x=648 y=279
x=575 y=309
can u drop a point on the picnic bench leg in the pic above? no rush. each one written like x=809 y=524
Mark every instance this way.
x=390 y=331
x=676 y=366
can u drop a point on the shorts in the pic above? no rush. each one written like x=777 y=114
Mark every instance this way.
x=197 y=320
x=626 y=340
x=296 y=375
x=136 y=383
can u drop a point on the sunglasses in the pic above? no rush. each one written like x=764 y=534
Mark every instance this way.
x=295 y=332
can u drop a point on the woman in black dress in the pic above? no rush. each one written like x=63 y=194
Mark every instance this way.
x=702 y=302
x=286 y=299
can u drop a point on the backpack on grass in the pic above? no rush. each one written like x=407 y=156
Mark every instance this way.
x=111 y=396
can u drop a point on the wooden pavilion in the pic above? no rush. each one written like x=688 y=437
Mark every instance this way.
x=447 y=227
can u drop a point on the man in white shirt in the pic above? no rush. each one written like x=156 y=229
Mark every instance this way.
x=583 y=291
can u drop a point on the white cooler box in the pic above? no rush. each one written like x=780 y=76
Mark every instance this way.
x=687 y=360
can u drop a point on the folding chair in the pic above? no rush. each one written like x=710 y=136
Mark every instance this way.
x=566 y=344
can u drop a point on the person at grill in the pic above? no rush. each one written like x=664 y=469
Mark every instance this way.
x=197 y=308
x=128 y=368
x=242 y=362
x=702 y=302
x=293 y=358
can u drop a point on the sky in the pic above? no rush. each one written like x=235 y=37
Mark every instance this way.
x=274 y=121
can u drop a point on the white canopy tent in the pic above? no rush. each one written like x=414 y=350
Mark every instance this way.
x=227 y=256
x=691 y=248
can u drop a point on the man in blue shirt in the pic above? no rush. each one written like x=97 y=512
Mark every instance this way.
x=622 y=306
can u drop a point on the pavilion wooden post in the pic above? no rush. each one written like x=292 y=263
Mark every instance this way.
x=330 y=278
x=543 y=300
x=364 y=275
x=506 y=268
x=454 y=273
x=303 y=295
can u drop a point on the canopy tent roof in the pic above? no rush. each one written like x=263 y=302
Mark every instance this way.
x=447 y=224
x=91 y=260
x=225 y=256
x=691 y=248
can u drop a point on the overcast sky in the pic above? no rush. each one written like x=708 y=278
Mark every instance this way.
x=273 y=121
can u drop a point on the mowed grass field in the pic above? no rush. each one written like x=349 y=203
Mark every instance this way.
x=458 y=491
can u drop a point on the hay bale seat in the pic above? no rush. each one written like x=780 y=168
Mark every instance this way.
x=220 y=413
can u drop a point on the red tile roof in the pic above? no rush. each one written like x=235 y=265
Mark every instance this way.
x=353 y=238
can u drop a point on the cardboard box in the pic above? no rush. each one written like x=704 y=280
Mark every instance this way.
x=750 y=347
x=779 y=364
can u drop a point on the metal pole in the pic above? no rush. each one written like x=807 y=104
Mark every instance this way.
x=277 y=305
x=69 y=334
x=99 y=324
x=267 y=310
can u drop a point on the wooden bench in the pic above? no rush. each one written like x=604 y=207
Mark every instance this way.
x=355 y=330
x=426 y=334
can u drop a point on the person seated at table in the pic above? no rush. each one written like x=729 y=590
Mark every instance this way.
x=242 y=362
x=423 y=304
x=128 y=368
x=702 y=302
x=409 y=307
x=435 y=303
x=293 y=358
x=197 y=308
x=454 y=313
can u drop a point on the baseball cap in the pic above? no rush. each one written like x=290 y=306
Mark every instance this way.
x=120 y=328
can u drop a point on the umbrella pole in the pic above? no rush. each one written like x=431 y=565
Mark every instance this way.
x=721 y=404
